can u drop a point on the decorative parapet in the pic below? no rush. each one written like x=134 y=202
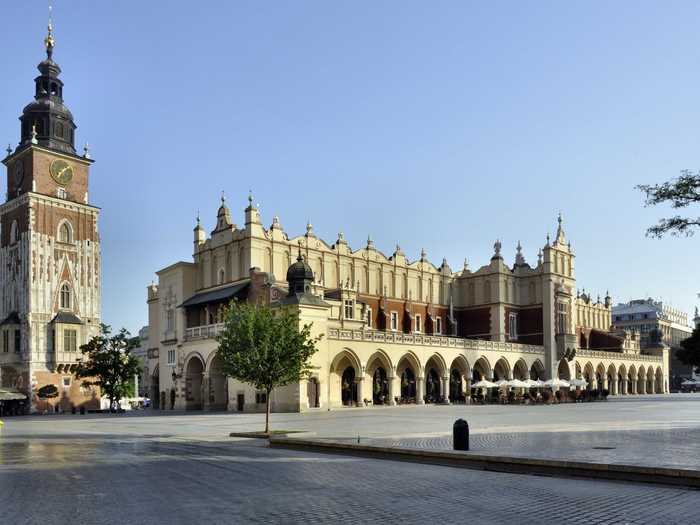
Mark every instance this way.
x=378 y=336
x=208 y=331
x=601 y=354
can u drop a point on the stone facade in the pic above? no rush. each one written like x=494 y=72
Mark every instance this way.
x=50 y=265
x=395 y=330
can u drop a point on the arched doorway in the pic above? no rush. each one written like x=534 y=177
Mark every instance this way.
x=456 y=391
x=659 y=381
x=432 y=386
x=632 y=381
x=218 y=385
x=481 y=370
x=408 y=386
x=193 y=383
x=380 y=387
x=312 y=392
x=348 y=386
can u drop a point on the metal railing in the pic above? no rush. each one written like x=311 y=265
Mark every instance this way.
x=207 y=331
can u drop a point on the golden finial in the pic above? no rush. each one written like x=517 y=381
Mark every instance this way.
x=49 y=40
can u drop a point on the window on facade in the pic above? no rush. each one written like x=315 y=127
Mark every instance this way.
x=171 y=357
x=65 y=296
x=66 y=382
x=13 y=232
x=61 y=194
x=562 y=318
x=438 y=325
x=6 y=341
x=348 y=309
x=70 y=340
x=260 y=398
x=64 y=233
x=369 y=318
x=394 y=321
x=419 y=323
x=513 y=326
x=18 y=341
x=222 y=276
x=169 y=320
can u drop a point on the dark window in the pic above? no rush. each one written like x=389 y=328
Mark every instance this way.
x=260 y=398
x=18 y=341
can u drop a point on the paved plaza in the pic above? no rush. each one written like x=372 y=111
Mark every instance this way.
x=182 y=468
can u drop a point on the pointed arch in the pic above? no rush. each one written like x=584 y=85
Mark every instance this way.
x=379 y=358
x=482 y=369
x=563 y=370
x=521 y=370
x=502 y=369
x=350 y=356
x=537 y=370
x=439 y=361
x=409 y=359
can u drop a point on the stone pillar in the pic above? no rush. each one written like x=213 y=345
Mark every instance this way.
x=205 y=392
x=360 y=399
x=605 y=383
x=448 y=384
x=420 y=390
x=642 y=386
x=394 y=388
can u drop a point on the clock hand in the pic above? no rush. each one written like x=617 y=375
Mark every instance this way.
x=61 y=172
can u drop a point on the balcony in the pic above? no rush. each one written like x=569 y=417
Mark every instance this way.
x=208 y=331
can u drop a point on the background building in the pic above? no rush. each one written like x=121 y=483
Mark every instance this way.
x=642 y=317
x=50 y=287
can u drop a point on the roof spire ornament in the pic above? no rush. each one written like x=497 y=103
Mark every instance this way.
x=9 y=150
x=560 y=238
x=466 y=265
x=86 y=151
x=497 y=249
x=34 y=139
x=519 y=258
x=49 y=41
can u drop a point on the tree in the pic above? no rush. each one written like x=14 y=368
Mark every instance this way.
x=679 y=193
x=109 y=364
x=266 y=348
x=689 y=353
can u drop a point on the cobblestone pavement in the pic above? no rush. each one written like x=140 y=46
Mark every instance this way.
x=91 y=479
x=649 y=448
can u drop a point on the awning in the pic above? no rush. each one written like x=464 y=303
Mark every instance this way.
x=219 y=295
x=13 y=318
x=11 y=394
x=66 y=318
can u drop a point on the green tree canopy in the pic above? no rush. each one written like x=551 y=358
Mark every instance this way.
x=679 y=193
x=265 y=347
x=109 y=364
x=689 y=352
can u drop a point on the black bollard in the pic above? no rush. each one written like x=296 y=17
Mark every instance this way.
x=460 y=435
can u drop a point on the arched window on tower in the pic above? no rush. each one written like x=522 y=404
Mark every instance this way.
x=14 y=234
x=65 y=296
x=65 y=233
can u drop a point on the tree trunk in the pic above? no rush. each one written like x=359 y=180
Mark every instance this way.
x=267 y=412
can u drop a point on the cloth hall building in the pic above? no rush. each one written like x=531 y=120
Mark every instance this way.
x=395 y=330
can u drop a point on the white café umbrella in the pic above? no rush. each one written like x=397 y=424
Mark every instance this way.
x=501 y=382
x=517 y=383
x=484 y=384
x=691 y=382
x=535 y=383
x=578 y=382
x=556 y=382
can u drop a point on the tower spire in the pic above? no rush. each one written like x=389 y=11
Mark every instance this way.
x=49 y=41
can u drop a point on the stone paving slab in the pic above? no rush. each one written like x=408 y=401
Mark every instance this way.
x=672 y=448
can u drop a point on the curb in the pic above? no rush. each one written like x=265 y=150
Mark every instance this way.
x=515 y=465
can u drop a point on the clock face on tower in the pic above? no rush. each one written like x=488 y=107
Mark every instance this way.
x=19 y=172
x=61 y=171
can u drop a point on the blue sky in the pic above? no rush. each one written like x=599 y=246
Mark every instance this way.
x=439 y=125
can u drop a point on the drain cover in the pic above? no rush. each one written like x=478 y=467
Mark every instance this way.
x=604 y=448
